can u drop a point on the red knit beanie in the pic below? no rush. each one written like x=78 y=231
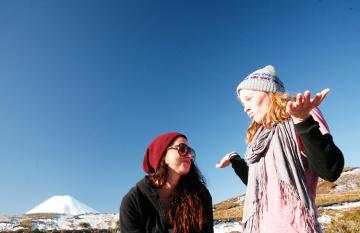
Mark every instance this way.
x=157 y=149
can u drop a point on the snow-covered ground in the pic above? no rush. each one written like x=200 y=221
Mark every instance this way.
x=347 y=181
x=61 y=222
x=86 y=221
x=107 y=221
x=324 y=219
x=68 y=221
x=227 y=227
x=345 y=205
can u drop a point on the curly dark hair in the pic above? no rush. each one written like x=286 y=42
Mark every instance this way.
x=186 y=212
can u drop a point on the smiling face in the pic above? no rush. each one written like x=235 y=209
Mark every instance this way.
x=178 y=165
x=255 y=103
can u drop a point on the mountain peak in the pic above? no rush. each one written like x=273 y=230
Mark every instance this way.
x=62 y=205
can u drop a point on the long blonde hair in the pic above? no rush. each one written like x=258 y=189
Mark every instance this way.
x=275 y=114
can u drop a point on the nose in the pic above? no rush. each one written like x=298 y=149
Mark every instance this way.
x=189 y=155
x=246 y=108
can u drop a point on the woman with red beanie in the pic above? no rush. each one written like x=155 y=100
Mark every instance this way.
x=172 y=197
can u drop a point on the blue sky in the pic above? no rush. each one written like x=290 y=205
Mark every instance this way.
x=86 y=85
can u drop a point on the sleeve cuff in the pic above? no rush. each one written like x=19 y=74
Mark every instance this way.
x=307 y=125
x=234 y=158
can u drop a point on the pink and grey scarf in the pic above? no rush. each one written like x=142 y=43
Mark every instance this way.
x=279 y=142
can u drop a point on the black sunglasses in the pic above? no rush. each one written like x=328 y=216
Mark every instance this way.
x=183 y=150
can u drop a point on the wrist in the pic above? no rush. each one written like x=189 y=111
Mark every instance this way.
x=306 y=126
x=298 y=120
x=233 y=156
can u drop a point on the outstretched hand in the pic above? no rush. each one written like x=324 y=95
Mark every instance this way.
x=225 y=161
x=299 y=108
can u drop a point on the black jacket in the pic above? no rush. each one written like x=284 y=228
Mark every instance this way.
x=324 y=157
x=141 y=211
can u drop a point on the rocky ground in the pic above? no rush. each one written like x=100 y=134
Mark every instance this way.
x=339 y=208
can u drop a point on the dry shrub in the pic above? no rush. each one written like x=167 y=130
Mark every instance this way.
x=346 y=169
x=26 y=224
x=85 y=225
x=348 y=222
x=42 y=215
x=324 y=187
x=229 y=214
x=228 y=204
x=337 y=198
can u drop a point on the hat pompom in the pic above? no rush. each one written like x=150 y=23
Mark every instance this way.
x=270 y=69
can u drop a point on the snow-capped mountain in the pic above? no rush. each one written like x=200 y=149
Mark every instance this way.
x=62 y=205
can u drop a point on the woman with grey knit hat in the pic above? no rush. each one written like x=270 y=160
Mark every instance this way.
x=289 y=147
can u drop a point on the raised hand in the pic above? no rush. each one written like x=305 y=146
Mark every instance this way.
x=225 y=161
x=299 y=108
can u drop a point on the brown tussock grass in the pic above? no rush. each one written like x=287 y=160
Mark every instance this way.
x=337 y=198
x=347 y=221
x=229 y=214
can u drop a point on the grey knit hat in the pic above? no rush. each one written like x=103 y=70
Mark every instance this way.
x=263 y=79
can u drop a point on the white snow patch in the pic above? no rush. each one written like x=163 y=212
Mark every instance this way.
x=353 y=171
x=241 y=200
x=324 y=219
x=5 y=226
x=345 y=205
x=344 y=183
x=226 y=227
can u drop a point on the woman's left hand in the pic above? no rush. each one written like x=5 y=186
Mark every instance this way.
x=225 y=161
x=299 y=108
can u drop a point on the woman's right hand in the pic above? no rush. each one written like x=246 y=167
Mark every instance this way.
x=300 y=107
x=226 y=160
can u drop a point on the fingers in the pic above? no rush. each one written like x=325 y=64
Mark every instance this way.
x=304 y=101
x=225 y=161
x=324 y=93
x=288 y=106
x=222 y=164
x=316 y=100
x=319 y=97
x=307 y=100
x=299 y=100
x=291 y=107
